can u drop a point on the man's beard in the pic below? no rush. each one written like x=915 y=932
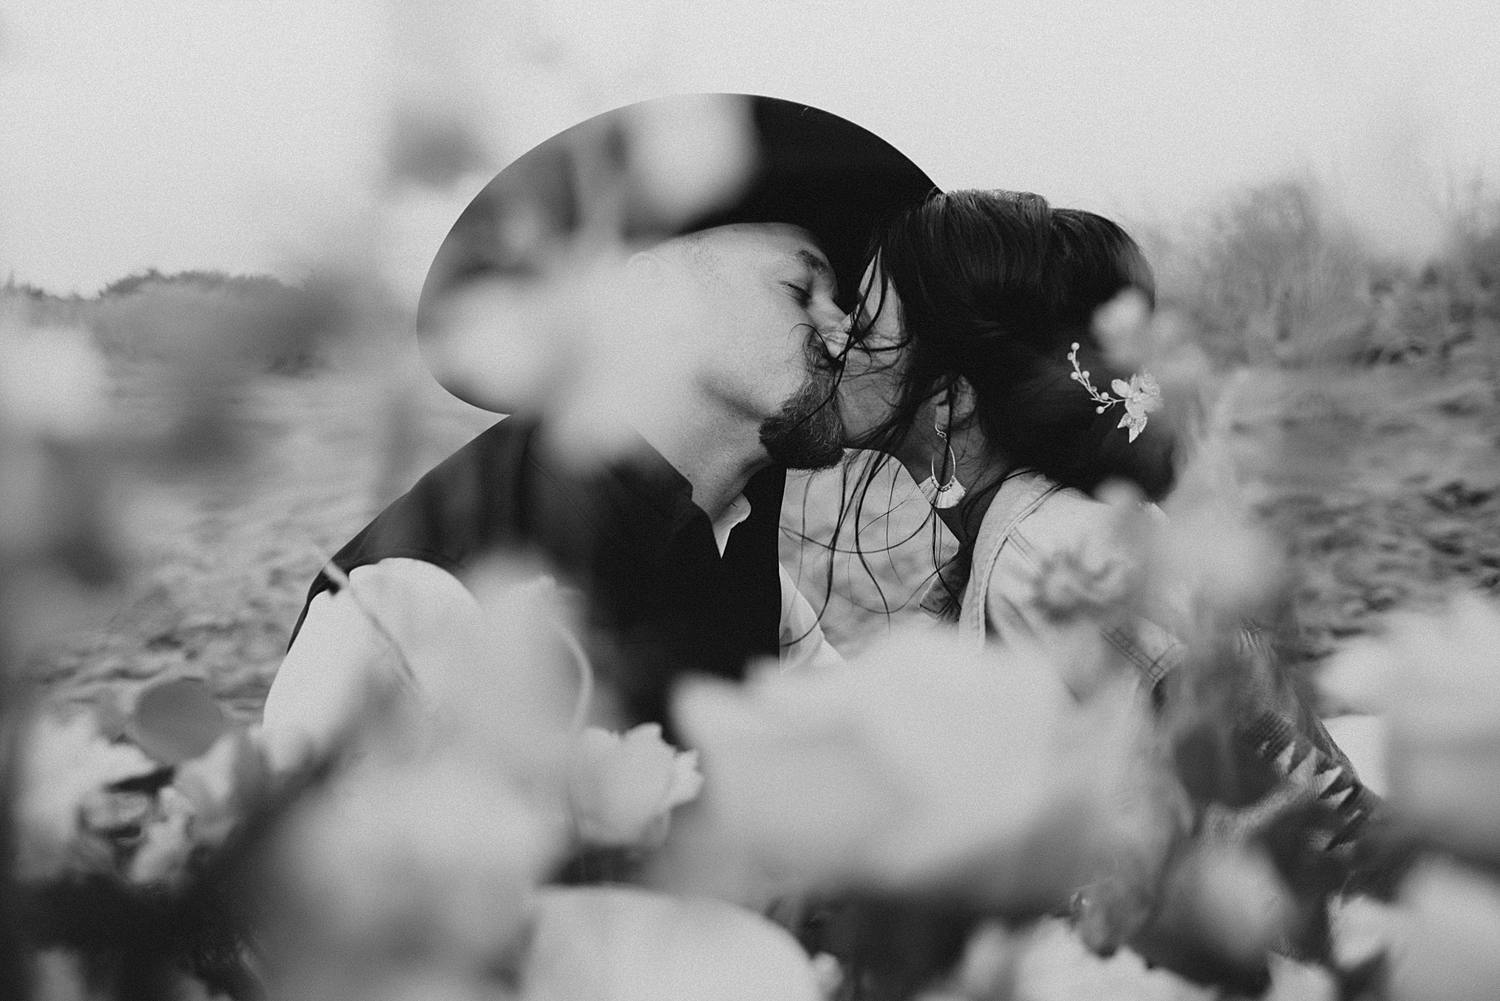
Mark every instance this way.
x=807 y=433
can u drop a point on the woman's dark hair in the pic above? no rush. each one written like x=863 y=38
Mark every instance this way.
x=994 y=287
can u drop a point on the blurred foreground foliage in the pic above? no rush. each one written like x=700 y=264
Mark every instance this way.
x=919 y=822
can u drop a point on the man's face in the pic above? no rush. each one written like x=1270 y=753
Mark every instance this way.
x=875 y=366
x=771 y=292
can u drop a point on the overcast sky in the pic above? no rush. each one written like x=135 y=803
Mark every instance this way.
x=246 y=134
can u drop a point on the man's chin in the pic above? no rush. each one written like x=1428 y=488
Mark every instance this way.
x=800 y=449
x=808 y=431
x=807 y=434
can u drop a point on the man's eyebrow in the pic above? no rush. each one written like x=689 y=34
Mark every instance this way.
x=816 y=263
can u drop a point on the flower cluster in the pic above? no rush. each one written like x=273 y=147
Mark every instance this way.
x=425 y=850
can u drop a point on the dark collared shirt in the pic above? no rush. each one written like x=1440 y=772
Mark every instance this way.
x=659 y=599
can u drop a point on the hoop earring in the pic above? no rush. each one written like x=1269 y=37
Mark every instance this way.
x=947 y=494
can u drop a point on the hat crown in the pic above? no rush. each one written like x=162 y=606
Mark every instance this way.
x=670 y=166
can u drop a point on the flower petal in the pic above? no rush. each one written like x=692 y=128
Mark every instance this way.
x=622 y=787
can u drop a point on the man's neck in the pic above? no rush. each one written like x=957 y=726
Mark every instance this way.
x=717 y=454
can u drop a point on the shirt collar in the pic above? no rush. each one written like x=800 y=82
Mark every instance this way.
x=641 y=469
x=737 y=511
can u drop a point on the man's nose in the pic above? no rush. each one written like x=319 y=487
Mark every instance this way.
x=836 y=335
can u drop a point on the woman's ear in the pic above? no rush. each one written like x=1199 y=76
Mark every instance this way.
x=948 y=407
x=961 y=402
x=932 y=414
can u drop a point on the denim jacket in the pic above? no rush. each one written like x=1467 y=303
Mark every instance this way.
x=1030 y=519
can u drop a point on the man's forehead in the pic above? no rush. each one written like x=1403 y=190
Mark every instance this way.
x=784 y=239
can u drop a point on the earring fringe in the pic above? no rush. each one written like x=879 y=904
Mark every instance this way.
x=947 y=494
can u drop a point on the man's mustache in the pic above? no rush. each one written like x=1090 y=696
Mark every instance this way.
x=825 y=371
x=819 y=359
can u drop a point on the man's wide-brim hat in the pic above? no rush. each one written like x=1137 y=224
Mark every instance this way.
x=668 y=167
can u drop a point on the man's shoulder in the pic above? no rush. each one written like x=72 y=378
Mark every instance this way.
x=452 y=508
x=503 y=446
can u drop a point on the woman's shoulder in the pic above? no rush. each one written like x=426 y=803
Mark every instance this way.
x=1034 y=524
x=1064 y=518
x=1065 y=559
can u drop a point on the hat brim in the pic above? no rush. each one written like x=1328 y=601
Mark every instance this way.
x=803 y=166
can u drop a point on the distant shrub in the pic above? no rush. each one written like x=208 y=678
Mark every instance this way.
x=1274 y=276
x=258 y=321
x=1481 y=254
x=1473 y=244
x=212 y=280
x=29 y=306
x=1452 y=299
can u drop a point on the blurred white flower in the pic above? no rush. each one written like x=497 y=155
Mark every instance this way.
x=570 y=327
x=642 y=330
x=1136 y=339
x=1361 y=674
x=224 y=784
x=59 y=973
x=53 y=382
x=629 y=944
x=1296 y=981
x=115 y=815
x=407 y=983
x=622 y=787
x=829 y=973
x=510 y=340
x=1361 y=928
x=423 y=857
x=487 y=666
x=1210 y=559
x=692 y=154
x=1123 y=326
x=1447 y=952
x=1363 y=739
x=413 y=863
x=926 y=768
x=167 y=841
x=1223 y=908
x=584 y=341
x=989 y=961
x=1435 y=677
x=64 y=763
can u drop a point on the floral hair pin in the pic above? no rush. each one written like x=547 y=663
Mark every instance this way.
x=1140 y=395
